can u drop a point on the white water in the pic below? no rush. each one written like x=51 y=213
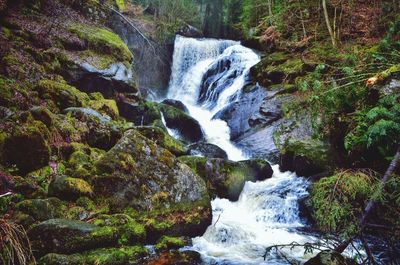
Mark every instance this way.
x=267 y=212
x=191 y=60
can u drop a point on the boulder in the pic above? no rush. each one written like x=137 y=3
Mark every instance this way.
x=300 y=151
x=71 y=236
x=330 y=258
x=163 y=139
x=135 y=161
x=141 y=114
x=42 y=209
x=176 y=103
x=225 y=178
x=100 y=256
x=139 y=174
x=27 y=147
x=60 y=95
x=190 y=31
x=173 y=257
x=238 y=114
x=103 y=133
x=66 y=236
x=189 y=128
x=68 y=188
x=207 y=150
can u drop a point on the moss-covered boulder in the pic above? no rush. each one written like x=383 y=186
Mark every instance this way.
x=176 y=103
x=69 y=188
x=102 y=133
x=167 y=243
x=163 y=139
x=276 y=68
x=43 y=209
x=59 y=95
x=300 y=150
x=105 y=106
x=207 y=150
x=81 y=161
x=330 y=258
x=27 y=147
x=135 y=172
x=225 y=178
x=101 y=256
x=43 y=114
x=141 y=114
x=188 y=128
x=68 y=236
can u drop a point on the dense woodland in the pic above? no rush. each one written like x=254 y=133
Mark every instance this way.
x=63 y=170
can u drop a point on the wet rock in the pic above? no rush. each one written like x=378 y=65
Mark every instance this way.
x=177 y=104
x=207 y=150
x=152 y=60
x=226 y=178
x=188 y=127
x=163 y=139
x=190 y=31
x=238 y=114
x=141 y=113
x=330 y=258
x=68 y=188
x=300 y=152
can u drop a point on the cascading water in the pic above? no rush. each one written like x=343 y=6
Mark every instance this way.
x=208 y=74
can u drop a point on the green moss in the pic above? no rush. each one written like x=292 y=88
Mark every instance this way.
x=86 y=203
x=103 y=40
x=339 y=200
x=69 y=188
x=105 y=106
x=167 y=242
x=61 y=94
x=102 y=256
x=43 y=209
x=163 y=139
x=120 y=4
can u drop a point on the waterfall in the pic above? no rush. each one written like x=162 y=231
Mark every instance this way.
x=208 y=74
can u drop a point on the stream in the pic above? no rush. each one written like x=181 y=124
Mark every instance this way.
x=208 y=74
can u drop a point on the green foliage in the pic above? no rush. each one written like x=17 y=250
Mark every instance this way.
x=377 y=128
x=339 y=200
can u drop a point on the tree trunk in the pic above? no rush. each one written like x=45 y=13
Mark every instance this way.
x=328 y=24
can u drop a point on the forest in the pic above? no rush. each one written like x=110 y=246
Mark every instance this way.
x=199 y=132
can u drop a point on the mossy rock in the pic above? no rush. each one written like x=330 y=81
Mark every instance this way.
x=61 y=94
x=225 y=178
x=105 y=106
x=101 y=256
x=27 y=147
x=330 y=258
x=103 y=40
x=163 y=139
x=167 y=243
x=188 y=128
x=43 y=209
x=69 y=188
x=141 y=114
x=277 y=68
x=43 y=114
x=81 y=161
x=68 y=236
x=135 y=170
